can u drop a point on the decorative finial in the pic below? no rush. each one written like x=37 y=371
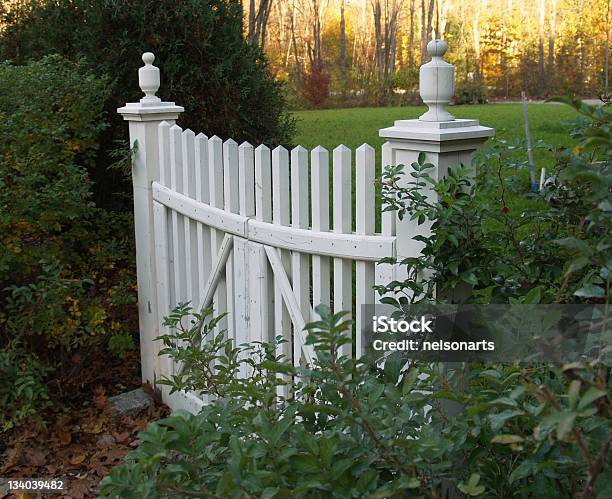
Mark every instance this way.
x=148 y=78
x=437 y=83
x=437 y=48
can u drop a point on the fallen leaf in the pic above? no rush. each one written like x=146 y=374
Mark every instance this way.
x=77 y=459
x=34 y=456
x=122 y=437
x=112 y=455
x=105 y=440
x=78 y=488
x=99 y=469
x=12 y=457
x=94 y=427
x=65 y=437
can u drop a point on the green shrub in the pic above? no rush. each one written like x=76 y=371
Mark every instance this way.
x=206 y=66
x=51 y=117
x=494 y=241
x=350 y=428
x=66 y=266
x=354 y=428
x=470 y=92
x=23 y=393
x=121 y=343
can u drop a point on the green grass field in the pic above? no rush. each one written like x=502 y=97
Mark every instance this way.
x=549 y=123
x=353 y=127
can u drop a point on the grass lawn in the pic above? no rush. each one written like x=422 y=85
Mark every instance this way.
x=353 y=127
x=549 y=123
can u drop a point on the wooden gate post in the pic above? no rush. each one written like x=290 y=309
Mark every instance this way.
x=446 y=141
x=144 y=117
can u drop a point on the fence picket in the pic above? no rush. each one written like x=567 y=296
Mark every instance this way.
x=202 y=194
x=245 y=178
x=191 y=249
x=343 y=268
x=385 y=273
x=364 y=224
x=215 y=181
x=300 y=262
x=262 y=282
x=321 y=275
x=160 y=220
x=178 y=220
x=281 y=216
x=231 y=204
x=164 y=178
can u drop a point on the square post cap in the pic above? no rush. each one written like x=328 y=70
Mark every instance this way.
x=437 y=125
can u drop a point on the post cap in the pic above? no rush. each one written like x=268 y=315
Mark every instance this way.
x=437 y=83
x=148 y=78
x=437 y=48
x=150 y=107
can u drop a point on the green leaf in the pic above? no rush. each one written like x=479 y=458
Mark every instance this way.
x=498 y=420
x=471 y=488
x=269 y=492
x=577 y=264
x=505 y=438
x=305 y=463
x=523 y=470
x=591 y=395
x=573 y=393
x=574 y=244
x=590 y=291
x=565 y=425
x=533 y=297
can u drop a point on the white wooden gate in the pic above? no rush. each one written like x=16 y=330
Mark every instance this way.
x=260 y=233
x=267 y=235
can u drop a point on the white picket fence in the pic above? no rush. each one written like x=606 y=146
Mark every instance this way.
x=257 y=234
x=267 y=235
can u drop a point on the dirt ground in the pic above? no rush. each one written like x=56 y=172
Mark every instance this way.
x=83 y=438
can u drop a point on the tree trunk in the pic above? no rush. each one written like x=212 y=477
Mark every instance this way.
x=411 y=37
x=379 y=41
x=258 y=21
x=551 y=46
x=251 y=34
x=607 y=52
x=294 y=45
x=343 y=69
x=426 y=20
x=541 y=49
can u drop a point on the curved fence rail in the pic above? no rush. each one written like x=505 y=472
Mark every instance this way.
x=265 y=235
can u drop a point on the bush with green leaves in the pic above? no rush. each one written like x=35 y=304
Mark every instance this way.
x=351 y=428
x=206 y=66
x=66 y=266
x=55 y=278
x=23 y=392
x=343 y=427
x=494 y=241
x=470 y=92
x=121 y=343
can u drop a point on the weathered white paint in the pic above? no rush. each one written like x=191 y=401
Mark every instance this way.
x=144 y=118
x=254 y=231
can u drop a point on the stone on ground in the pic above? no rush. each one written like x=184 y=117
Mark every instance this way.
x=131 y=402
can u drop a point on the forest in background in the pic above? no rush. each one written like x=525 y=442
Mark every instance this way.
x=367 y=52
